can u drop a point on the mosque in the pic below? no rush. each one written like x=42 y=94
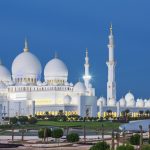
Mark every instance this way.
x=22 y=92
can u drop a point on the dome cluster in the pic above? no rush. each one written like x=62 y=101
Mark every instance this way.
x=79 y=88
x=127 y=101
x=27 y=69
x=102 y=101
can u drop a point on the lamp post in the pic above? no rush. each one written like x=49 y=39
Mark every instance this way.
x=113 y=144
x=141 y=137
x=84 y=131
x=124 y=136
x=102 y=132
x=118 y=139
x=149 y=130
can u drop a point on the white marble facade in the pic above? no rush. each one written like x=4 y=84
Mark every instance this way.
x=22 y=92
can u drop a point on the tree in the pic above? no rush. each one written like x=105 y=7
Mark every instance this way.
x=57 y=134
x=60 y=113
x=41 y=133
x=100 y=146
x=13 y=120
x=32 y=120
x=125 y=147
x=73 y=137
x=46 y=113
x=135 y=139
x=23 y=119
x=44 y=133
x=118 y=138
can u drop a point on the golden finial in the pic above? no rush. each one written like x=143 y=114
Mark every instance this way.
x=26 y=49
x=86 y=52
x=56 y=55
x=111 y=28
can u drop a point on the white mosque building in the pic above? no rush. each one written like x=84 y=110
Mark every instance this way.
x=23 y=93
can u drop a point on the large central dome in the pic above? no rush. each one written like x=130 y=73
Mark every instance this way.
x=55 y=69
x=26 y=65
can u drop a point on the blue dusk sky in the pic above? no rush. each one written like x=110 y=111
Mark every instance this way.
x=70 y=26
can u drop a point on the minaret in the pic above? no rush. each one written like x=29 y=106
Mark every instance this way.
x=86 y=76
x=111 y=84
x=26 y=49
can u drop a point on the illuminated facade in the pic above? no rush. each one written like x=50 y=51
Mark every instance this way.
x=23 y=93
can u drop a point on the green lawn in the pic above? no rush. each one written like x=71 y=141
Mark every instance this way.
x=90 y=125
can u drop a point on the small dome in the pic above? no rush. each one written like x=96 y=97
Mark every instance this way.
x=103 y=100
x=130 y=102
x=129 y=96
x=11 y=83
x=71 y=84
x=55 y=69
x=5 y=75
x=44 y=83
x=140 y=103
x=79 y=88
x=122 y=102
x=111 y=103
x=39 y=83
x=2 y=85
x=67 y=84
x=147 y=103
x=67 y=99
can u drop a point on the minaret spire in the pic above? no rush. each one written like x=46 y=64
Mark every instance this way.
x=86 y=76
x=111 y=29
x=26 y=49
x=111 y=84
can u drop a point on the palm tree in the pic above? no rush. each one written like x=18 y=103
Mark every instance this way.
x=46 y=113
x=123 y=113
x=147 y=112
x=127 y=111
x=141 y=112
x=109 y=113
